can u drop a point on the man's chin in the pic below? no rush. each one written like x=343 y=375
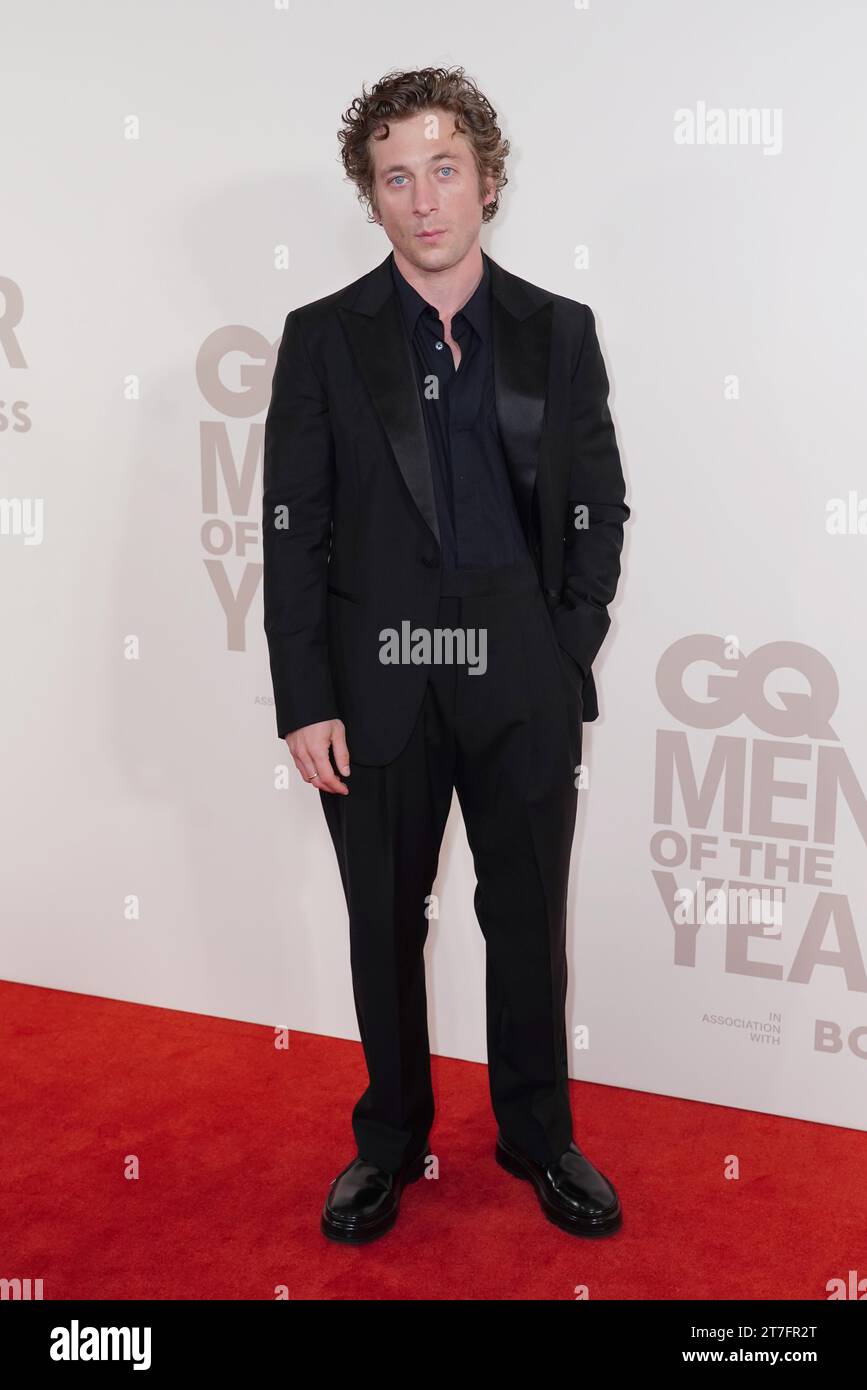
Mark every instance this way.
x=431 y=255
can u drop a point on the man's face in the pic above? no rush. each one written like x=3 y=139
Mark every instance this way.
x=426 y=181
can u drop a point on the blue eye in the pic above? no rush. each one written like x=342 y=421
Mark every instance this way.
x=445 y=168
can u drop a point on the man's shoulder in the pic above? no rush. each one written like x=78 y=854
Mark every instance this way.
x=316 y=311
x=572 y=313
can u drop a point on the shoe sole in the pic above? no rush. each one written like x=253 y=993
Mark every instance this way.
x=360 y=1235
x=576 y=1226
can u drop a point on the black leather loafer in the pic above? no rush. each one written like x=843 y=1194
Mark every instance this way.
x=572 y=1193
x=363 y=1201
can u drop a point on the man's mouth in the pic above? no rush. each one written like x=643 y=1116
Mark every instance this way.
x=431 y=236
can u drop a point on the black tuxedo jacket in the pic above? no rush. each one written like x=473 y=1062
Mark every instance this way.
x=349 y=524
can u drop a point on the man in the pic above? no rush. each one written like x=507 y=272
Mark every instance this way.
x=441 y=475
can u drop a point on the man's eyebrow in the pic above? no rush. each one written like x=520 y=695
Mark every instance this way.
x=442 y=154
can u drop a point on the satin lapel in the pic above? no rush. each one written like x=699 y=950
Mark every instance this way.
x=522 y=351
x=383 y=356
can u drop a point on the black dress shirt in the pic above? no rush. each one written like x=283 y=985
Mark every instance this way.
x=478 y=520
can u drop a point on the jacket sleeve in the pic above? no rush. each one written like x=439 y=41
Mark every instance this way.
x=296 y=533
x=592 y=555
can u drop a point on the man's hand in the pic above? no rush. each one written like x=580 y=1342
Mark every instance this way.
x=309 y=748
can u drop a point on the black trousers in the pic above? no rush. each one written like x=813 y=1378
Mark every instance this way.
x=509 y=742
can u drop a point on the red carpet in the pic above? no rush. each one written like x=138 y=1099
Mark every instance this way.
x=237 y=1143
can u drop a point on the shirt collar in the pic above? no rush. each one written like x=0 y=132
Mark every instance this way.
x=476 y=310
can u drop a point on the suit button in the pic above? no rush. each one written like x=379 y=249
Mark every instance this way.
x=431 y=561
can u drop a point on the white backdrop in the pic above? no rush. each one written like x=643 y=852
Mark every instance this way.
x=172 y=187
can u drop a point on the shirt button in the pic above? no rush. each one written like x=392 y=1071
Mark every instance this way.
x=439 y=347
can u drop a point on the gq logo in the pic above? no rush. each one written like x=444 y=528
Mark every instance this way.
x=727 y=807
x=737 y=685
x=234 y=368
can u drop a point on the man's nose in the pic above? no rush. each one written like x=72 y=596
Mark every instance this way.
x=425 y=201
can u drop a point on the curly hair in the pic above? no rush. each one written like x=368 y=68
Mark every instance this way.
x=400 y=94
